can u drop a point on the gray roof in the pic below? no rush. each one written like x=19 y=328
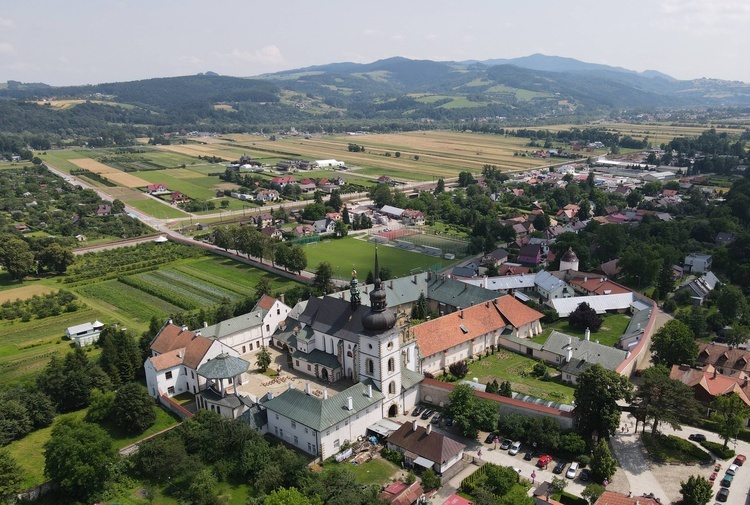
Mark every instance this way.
x=319 y=357
x=409 y=378
x=320 y=414
x=333 y=316
x=548 y=282
x=600 y=303
x=230 y=401
x=223 y=366
x=255 y=417
x=464 y=272
x=584 y=350
x=234 y=325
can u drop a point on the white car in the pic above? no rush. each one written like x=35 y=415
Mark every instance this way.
x=732 y=469
x=514 y=448
x=572 y=470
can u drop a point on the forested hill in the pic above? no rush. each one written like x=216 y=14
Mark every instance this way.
x=395 y=91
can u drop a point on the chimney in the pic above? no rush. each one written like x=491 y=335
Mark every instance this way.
x=349 y=403
x=307 y=388
x=461 y=314
x=205 y=324
x=289 y=385
x=570 y=341
x=325 y=394
x=588 y=334
x=570 y=354
x=369 y=391
x=413 y=426
x=487 y=304
x=269 y=395
x=428 y=430
x=184 y=328
x=281 y=298
x=585 y=279
x=390 y=284
x=714 y=373
x=170 y=321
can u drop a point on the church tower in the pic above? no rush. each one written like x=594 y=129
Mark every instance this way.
x=379 y=347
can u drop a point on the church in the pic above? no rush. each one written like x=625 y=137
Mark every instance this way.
x=333 y=340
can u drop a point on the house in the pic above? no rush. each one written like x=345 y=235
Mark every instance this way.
x=590 y=284
x=530 y=255
x=384 y=179
x=496 y=257
x=469 y=270
x=413 y=217
x=426 y=448
x=156 y=189
x=727 y=360
x=550 y=287
x=573 y=355
x=613 y=498
x=610 y=268
x=513 y=269
x=85 y=334
x=267 y=195
x=700 y=288
x=283 y=181
x=324 y=226
x=178 y=197
x=273 y=233
x=176 y=355
x=307 y=185
x=470 y=332
x=723 y=238
x=303 y=230
x=696 y=263
x=104 y=209
x=401 y=493
x=708 y=384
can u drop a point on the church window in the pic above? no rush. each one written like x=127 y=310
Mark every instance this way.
x=369 y=366
x=390 y=345
x=392 y=388
x=391 y=365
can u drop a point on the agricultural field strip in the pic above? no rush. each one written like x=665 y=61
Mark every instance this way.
x=130 y=300
x=111 y=173
x=240 y=275
x=180 y=284
x=213 y=279
x=41 y=330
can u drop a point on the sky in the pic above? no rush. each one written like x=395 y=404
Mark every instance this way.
x=76 y=42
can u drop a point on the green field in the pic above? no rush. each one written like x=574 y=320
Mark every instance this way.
x=516 y=368
x=29 y=451
x=125 y=301
x=347 y=253
x=184 y=181
x=609 y=334
x=156 y=209
x=376 y=471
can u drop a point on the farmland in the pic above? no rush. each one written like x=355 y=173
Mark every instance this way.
x=125 y=291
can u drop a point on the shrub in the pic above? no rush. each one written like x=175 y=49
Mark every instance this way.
x=394 y=457
x=539 y=369
x=459 y=369
x=718 y=449
x=585 y=317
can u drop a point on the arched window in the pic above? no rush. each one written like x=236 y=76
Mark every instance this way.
x=369 y=367
x=392 y=388
x=391 y=365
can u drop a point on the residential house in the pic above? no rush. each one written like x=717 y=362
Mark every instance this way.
x=496 y=257
x=413 y=217
x=104 y=209
x=384 y=179
x=729 y=361
x=610 y=268
x=156 y=189
x=307 y=185
x=591 y=284
x=469 y=332
x=573 y=355
x=267 y=195
x=178 y=197
x=708 y=384
x=425 y=448
x=303 y=230
x=700 y=288
x=283 y=181
x=530 y=255
x=468 y=270
x=85 y=334
x=724 y=238
x=273 y=233
x=513 y=269
x=401 y=493
x=696 y=263
x=324 y=226
x=550 y=287
x=613 y=498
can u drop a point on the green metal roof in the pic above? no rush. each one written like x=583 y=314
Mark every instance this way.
x=233 y=325
x=223 y=366
x=318 y=357
x=320 y=414
x=409 y=378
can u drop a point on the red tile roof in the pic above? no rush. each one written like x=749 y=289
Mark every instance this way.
x=710 y=381
x=454 y=499
x=266 y=302
x=516 y=312
x=400 y=493
x=168 y=360
x=599 y=285
x=171 y=337
x=195 y=351
x=612 y=498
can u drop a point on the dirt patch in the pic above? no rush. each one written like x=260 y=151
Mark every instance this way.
x=23 y=292
x=126 y=194
x=110 y=173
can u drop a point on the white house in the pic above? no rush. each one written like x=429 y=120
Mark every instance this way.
x=328 y=163
x=85 y=334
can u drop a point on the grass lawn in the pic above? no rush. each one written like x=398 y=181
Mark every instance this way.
x=375 y=471
x=347 y=253
x=29 y=451
x=669 y=448
x=516 y=368
x=609 y=334
x=156 y=209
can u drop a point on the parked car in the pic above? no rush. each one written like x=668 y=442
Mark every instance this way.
x=697 y=437
x=727 y=481
x=573 y=470
x=417 y=410
x=585 y=475
x=559 y=467
x=449 y=421
x=739 y=460
x=435 y=418
x=723 y=494
x=529 y=455
x=427 y=413
x=544 y=461
x=492 y=436
x=505 y=444
x=732 y=469
x=515 y=448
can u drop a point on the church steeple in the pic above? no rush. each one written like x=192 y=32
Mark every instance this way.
x=378 y=318
x=354 y=291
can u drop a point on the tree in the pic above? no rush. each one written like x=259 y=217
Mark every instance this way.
x=78 y=456
x=492 y=387
x=738 y=335
x=56 y=257
x=202 y=488
x=416 y=157
x=465 y=179
x=558 y=485
x=341 y=229
x=592 y=492
x=731 y=303
x=470 y=413
x=729 y=413
x=120 y=358
x=397 y=154
x=14 y=421
x=665 y=281
x=500 y=479
x=335 y=200
x=674 y=344
x=297 y=259
x=585 y=317
x=263 y=359
x=133 y=411
x=345 y=216
x=162 y=458
x=603 y=465
x=661 y=399
x=290 y=497
x=506 y=389
x=596 y=397
x=69 y=381
x=11 y=476
x=696 y=491
x=16 y=257
x=321 y=283
x=430 y=480
x=459 y=369
x=440 y=187
x=419 y=310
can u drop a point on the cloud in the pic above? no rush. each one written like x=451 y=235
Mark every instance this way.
x=6 y=23
x=705 y=15
x=6 y=48
x=370 y=32
x=398 y=38
x=269 y=55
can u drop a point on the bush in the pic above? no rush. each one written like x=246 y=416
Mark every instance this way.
x=585 y=317
x=718 y=449
x=430 y=480
x=394 y=457
x=668 y=448
x=459 y=369
x=539 y=369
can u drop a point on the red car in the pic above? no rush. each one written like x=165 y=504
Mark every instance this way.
x=740 y=459
x=544 y=461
